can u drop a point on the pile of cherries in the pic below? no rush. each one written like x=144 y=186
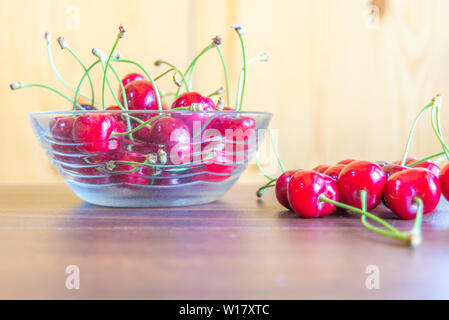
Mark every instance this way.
x=411 y=188
x=188 y=143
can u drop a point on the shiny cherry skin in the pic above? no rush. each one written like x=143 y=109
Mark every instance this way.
x=431 y=166
x=237 y=133
x=194 y=120
x=321 y=168
x=334 y=171
x=403 y=187
x=346 y=161
x=391 y=169
x=130 y=78
x=172 y=136
x=93 y=132
x=408 y=161
x=281 y=188
x=304 y=190
x=382 y=163
x=61 y=132
x=141 y=176
x=444 y=181
x=140 y=95
x=61 y=128
x=358 y=176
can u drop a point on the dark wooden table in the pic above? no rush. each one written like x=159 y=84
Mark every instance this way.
x=238 y=247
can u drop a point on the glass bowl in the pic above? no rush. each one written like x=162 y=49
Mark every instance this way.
x=181 y=158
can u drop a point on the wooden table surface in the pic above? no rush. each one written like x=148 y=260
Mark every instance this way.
x=238 y=247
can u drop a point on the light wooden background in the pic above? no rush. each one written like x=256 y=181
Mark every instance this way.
x=340 y=84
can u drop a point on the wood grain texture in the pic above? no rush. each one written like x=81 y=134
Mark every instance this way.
x=337 y=86
x=235 y=248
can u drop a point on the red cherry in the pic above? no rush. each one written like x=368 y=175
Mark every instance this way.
x=408 y=161
x=403 y=187
x=193 y=120
x=321 y=168
x=113 y=108
x=61 y=131
x=93 y=132
x=281 y=188
x=172 y=136
x=212 y=172
x=334 y=171
x=235 y=132
x=431 y=166
x=130 y=78
x=346 y=161
x=358 y=176
x=391 y=169
x=304 y=190
x=444 y=181
x=140 y=95
x=141 y=176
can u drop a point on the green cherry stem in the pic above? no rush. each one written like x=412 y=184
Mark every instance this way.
x=415 y=233
x=159 y=62
x=55 y=70
x=163 y=74
x=218 y=41
x=262 y=189
x=275 y=150
x=77 y=92
x=241 y=91
x=191 y=66
x=64 y=45
x=260 y=167
x=395 y=232
x=434 y=122
x=216 y=92
x=19 y=85
x=429 y=158
x=145 y=123
x=412 y=130
x=262 y=57
x=153 y=83
x=120 y=35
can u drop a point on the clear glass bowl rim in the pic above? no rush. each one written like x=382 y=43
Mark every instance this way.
x=56 y=113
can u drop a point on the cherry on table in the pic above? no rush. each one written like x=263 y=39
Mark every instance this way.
x=334 y=171
x=321 y=168
x=431 y=166
x=392 y=169
x=402 y=188
x=361 y=176
x=444 y=181
x=281 y=188
x=346 y=161
x=408 y=161
x=305 y=188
